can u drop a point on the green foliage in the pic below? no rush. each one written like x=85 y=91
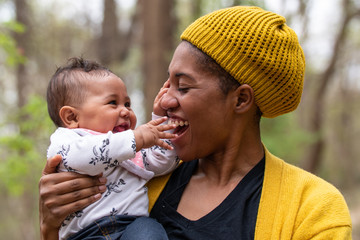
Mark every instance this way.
x=12 y=54
x=24 y=148
x=285 y=138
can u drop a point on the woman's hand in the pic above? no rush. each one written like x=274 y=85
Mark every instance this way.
x=157 y=109
x=62 y=194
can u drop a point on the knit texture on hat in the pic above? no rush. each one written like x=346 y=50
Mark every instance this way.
x=257 y=48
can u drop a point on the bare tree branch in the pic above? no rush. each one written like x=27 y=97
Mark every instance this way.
x=313 y=161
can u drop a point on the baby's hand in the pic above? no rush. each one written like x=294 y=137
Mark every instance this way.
x=151 y=133
x=157 y=109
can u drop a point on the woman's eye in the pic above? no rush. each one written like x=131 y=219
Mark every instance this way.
x=183 y=90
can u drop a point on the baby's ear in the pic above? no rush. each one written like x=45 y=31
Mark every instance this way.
x=69 y=116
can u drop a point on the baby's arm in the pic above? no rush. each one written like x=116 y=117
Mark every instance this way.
x=151 y=133
x=91 y=154
x=160 y=160
x=157 y=159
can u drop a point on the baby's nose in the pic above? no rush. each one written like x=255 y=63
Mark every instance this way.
x=124 y=112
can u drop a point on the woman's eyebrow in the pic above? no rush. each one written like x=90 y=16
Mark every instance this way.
x=178 y=75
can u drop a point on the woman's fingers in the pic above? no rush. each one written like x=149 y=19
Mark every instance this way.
x=60 y=192
x=79 y=189
x=157 y=109
x=166 y=84
x=64 y=193
x=59 y=199
x=75 y=182
x=51 y=165
x=84 y=199
x=161 y=92
x=67 y=187
x=67 y=177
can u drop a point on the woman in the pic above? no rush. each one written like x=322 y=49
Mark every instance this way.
x=232 y=67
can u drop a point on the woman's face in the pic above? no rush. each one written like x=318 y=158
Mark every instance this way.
x=195 y=101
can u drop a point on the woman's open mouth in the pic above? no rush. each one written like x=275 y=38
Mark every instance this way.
x=181 y=125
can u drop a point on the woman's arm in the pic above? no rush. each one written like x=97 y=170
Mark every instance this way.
x=62 y=194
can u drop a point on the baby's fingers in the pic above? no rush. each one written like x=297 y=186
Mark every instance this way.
x=167 y=135
x=158 y=121
x=165 y=145
x=166 y=127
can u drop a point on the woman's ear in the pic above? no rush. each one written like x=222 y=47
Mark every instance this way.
x=245 y=98
x=69 y=116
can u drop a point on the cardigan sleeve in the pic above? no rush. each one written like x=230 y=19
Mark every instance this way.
x=297 y=205
x=322 y=214
x=338 y=233
x=155 y=187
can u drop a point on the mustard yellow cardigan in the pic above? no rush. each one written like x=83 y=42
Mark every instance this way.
x=294 y=204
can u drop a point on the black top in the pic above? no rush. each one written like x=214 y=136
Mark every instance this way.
x=234 y=218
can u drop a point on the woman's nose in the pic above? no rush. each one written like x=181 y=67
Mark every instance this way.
x=168 y=101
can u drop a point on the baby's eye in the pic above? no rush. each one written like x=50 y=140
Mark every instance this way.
x=112 y=102
x=127 y=104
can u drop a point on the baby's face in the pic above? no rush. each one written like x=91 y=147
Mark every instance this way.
x=107 y=106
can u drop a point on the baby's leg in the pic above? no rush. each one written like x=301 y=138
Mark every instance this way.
x=144 y=228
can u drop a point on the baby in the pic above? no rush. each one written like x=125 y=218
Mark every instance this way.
x=96 y=134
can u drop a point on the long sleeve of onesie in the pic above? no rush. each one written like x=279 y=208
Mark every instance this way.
x=113 y=154
x=158 y=160
x=90 y=154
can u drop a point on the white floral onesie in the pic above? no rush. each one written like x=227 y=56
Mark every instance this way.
x=114 y=155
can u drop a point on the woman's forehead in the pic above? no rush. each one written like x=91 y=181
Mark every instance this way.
x=184 y=60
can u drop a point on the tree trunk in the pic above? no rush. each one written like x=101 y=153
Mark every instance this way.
x=22 y=41
x=157 y=46
x=313 y=160
x=114 y=44
x=195 y=8
x=109 y=35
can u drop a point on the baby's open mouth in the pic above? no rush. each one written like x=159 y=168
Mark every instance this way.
x=121 y=128
x=181 y=125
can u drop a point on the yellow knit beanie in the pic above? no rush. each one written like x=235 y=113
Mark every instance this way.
x=257 y=48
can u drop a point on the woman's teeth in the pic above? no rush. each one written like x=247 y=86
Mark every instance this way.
x=178 y=122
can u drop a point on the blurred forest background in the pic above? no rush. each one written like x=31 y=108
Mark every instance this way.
x=136 y=40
